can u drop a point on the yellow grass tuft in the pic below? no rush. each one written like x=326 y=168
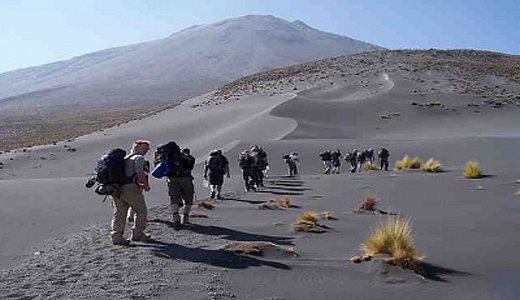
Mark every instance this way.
x=366 y=166
x=326 y=215
x=284 y=201
x=403 y=163
x=432 y=166
x=415 y=163
x=393 y=240
x=308 y=222
x=472 y=170
x=308 y=216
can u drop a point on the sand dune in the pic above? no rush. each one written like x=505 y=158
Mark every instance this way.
x=467 y=229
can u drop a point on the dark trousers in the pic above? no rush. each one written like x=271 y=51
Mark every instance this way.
x=384 y=164
x=249 y=177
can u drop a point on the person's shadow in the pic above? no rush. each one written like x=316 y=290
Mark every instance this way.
x=219 y=258
x=229 y=234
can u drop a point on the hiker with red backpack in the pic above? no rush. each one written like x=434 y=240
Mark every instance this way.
x=215 y=167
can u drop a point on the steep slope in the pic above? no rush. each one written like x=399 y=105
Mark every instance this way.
x=187 y=63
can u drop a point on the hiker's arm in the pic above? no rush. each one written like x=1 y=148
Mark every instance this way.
x=140 y=174
x=142 y=180
x=205 y=169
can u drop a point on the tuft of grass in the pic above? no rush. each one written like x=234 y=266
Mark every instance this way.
x=392 y=239
x=369 y=203
x=308 y=222
x=403 y=163
x=308 y=216
x=285 y=201
x=433 y=166
x=415 y=163
x=207 y=204
x=472 y=170
x=366 y=166
x=326 y=215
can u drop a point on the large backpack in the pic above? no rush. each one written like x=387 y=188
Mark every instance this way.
x=110 y=168
x=179 y=164
x=110 y=173
x=246 y=161
x=215 y=164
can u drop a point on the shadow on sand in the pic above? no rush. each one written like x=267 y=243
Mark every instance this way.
x=433 y=272
x=229 y=234
x=217 y=258
x=267 y=191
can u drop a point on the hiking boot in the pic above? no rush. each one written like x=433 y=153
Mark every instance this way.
x=219 y=197
x=185 y=219
x=145 y=238
x=123 y=242
x=213 y=195
x=176 y=221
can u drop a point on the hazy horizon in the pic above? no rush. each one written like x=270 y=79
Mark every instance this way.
x=41 y=32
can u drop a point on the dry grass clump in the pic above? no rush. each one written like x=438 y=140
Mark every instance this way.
x=415 y=163
x=368 y=204
x=326 y=215
x=308 y=222
x=285 y=201
x=257 y=248
x=207 y=204
x=404 y=163
x=433 y=166
x=392 y=241
x=366 y=166
x=472 y=170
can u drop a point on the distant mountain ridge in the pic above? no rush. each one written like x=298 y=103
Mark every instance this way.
x=189 y=62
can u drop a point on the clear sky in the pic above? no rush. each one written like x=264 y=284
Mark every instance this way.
x=35 y=32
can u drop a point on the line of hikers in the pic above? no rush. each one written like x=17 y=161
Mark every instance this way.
x=332 y=159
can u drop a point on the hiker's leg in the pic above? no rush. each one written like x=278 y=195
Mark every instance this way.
x=131 y=215
x=188 y=191
x=119 y=211
x=174 y=191
x=135 y=199
x=219 y=189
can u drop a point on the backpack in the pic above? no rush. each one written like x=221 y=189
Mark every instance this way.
x=215 y=164
x=383 y=153
x=170 y=155
x=246 y=161
x=110 y=173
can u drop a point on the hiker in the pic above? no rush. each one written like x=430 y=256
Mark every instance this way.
x=369 y=155
x=131 y=196
x=246 y=163
x=326 y=158
x=179 y=179
x=215 y=168
x=336 y=161
x=292 y=160
x=361 y=158
x=260 y=164
x=351 y=157
x=383 y=155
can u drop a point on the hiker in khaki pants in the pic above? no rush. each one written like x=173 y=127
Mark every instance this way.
x=132 y=197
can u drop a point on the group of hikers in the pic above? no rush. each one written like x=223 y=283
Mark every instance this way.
x=124 y=178
x=332 y=159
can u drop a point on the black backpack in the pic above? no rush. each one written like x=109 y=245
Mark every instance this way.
x=110 y=168
x=383 y=153
x=179 y=164
x=110 y=173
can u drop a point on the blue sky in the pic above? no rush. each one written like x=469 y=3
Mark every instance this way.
x=35 y=32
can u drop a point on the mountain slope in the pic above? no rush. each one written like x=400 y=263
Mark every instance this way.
x=189 y=62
